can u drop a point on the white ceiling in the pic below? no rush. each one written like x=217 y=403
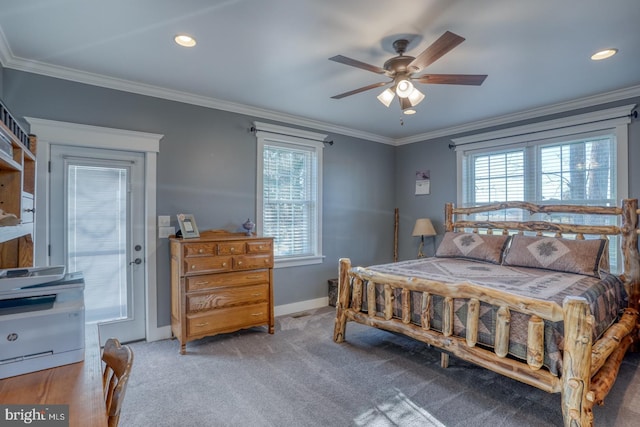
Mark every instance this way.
x=269 y=58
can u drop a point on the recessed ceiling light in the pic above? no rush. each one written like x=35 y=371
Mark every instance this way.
x=185 y=40
x=604 y=54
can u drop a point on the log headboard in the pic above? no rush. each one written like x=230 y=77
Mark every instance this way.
x=626 y=226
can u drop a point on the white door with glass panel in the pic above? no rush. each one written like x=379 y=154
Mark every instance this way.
x=97 y=227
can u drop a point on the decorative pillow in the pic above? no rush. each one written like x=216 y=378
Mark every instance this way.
x=586 y=257
x=481 y=247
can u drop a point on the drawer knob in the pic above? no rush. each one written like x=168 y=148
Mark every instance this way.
x=260 y=247
x=200 y=251
x=255 y=295
x=257 y=314
x=224 y=264
x=193 y=267
x=232 y=249
x=239 y=262
x=203 y=283
x=266 y=261
x=202 y=324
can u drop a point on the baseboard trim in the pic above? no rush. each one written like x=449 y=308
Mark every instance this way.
x=296 y=307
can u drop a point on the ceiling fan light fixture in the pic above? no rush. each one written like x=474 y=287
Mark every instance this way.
x=415 y=97
x=386 y=97
x=406 y=107
x=604 y=54
x=185 y=40
x=404 y=88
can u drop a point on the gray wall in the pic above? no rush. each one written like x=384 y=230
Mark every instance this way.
x=436 y=156
x=207 y=166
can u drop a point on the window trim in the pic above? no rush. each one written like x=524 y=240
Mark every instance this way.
x=281 y=135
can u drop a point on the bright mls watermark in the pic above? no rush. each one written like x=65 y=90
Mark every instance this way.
x=34 y=415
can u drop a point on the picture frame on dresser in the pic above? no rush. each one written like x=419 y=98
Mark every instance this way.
x=188 y=226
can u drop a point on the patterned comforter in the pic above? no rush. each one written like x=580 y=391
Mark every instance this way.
x=606 y=297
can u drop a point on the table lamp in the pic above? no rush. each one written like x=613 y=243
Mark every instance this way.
x=423 y=227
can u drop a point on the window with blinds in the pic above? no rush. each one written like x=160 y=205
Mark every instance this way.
x=549 y=163
x=289 y=196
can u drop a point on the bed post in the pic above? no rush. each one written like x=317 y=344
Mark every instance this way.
x=343 y=300
x=629 y=228
x=577 y=401
x=448 y=217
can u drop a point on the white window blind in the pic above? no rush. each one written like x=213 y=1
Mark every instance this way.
x=289 y=199
x=289 y=194
x=549 y=163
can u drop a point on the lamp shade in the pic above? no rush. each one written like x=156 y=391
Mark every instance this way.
x=386 y=97
x=416 y=97
x=424 y=227
x=404 y=88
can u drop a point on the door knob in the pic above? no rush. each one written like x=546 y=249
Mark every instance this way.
x=136 y=261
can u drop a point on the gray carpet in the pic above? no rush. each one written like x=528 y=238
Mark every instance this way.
x=300 y=377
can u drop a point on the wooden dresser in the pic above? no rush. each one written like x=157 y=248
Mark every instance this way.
x=220 y=282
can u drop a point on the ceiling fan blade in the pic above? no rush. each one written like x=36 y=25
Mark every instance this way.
x=362 y=89
x=452 y=79
x=358 y=64
x=444 y=44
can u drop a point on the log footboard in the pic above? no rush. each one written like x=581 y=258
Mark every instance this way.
x=589 y=369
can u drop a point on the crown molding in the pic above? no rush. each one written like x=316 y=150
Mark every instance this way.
x=10 y=61
x=589 y=101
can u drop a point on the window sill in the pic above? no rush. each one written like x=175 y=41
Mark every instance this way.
x=298 y=261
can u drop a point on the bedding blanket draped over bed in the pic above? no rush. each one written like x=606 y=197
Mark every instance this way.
x=606 y=298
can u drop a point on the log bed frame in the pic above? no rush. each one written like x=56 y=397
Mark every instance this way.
x=589 y=368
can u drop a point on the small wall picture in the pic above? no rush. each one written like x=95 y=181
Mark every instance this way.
x=423 y=182
x=188 y=226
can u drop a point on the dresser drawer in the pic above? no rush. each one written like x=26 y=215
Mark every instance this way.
x=230 y=248
x=228 y=319
x=259 y=246
x=245 y=262
x=194 y=249
x=194 y=265
x=241 y=278
x=227 y=297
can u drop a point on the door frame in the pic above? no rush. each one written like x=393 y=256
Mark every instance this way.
x=65 y=133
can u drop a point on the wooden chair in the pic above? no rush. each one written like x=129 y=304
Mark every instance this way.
x=118 y=360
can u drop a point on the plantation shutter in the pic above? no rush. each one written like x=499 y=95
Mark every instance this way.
x=578 y=160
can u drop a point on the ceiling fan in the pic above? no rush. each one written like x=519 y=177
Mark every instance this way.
x=401 y=70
